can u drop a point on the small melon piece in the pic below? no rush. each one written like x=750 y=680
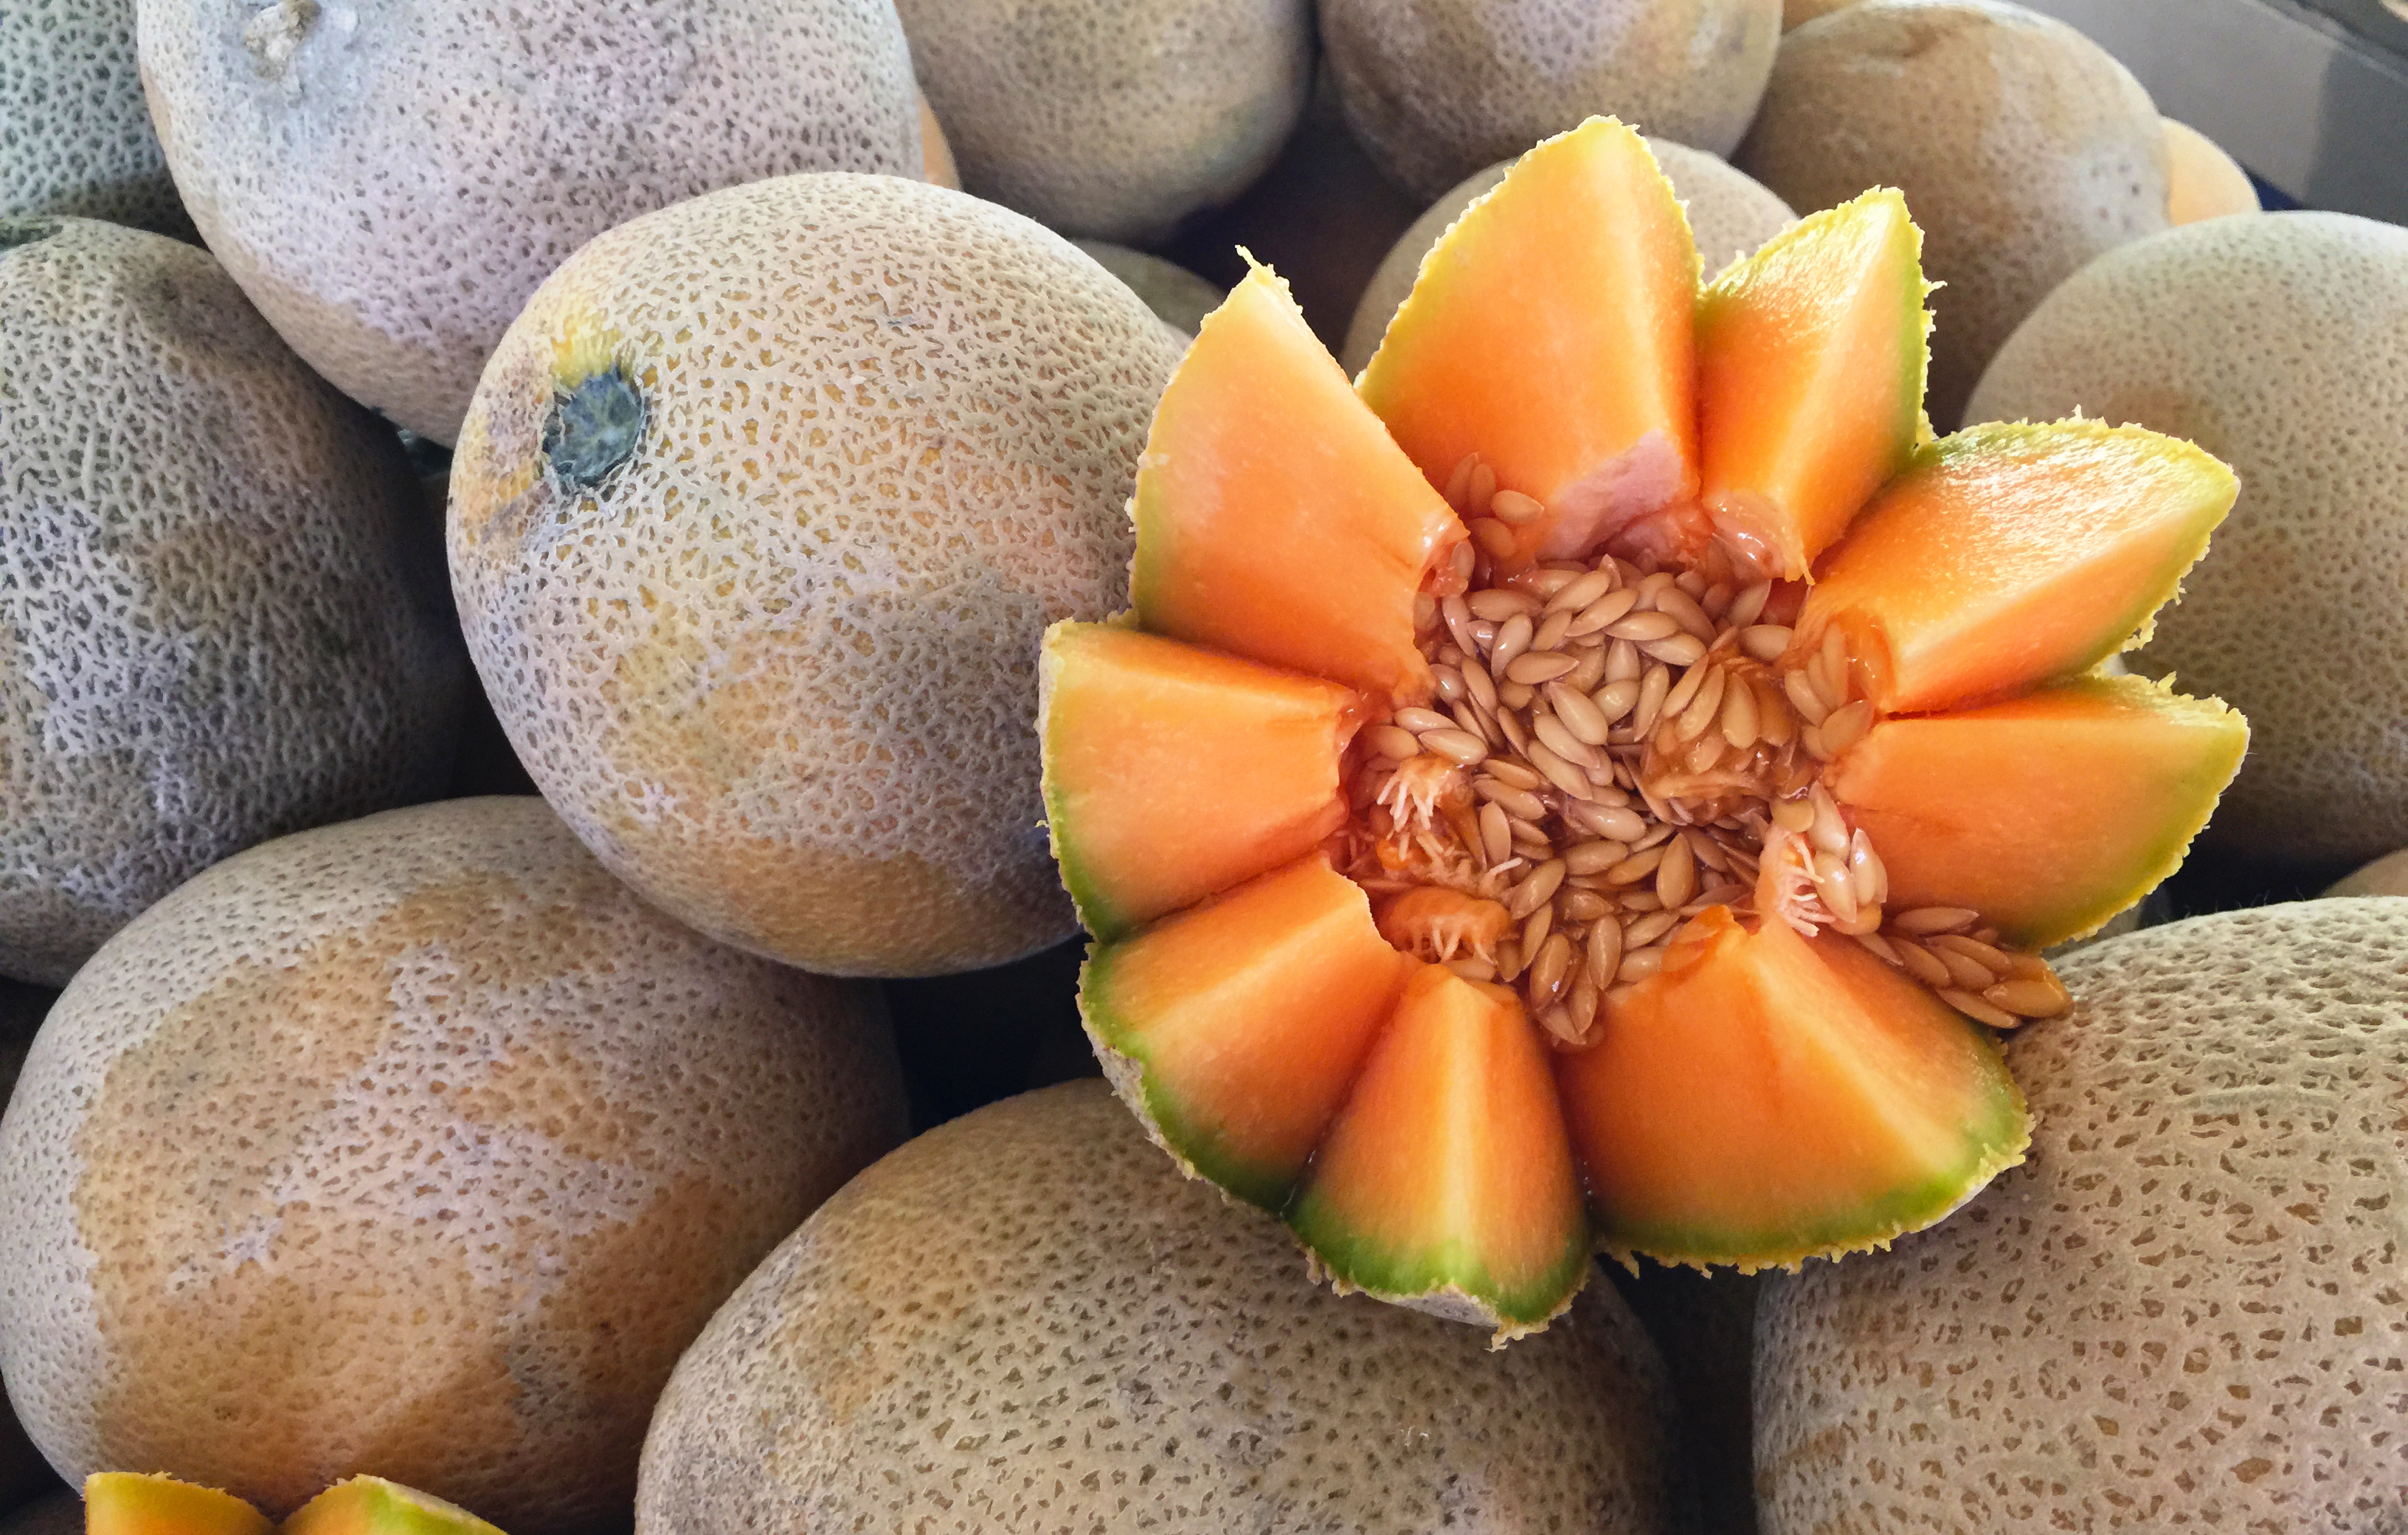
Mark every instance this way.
x=1177 y=297
x=144 y=1503
x=2007 y=555
x=1236 y=1029
x=2047 y=813
x=1020 y=1312
x=1769 y=1097
x=1447 y=1182
x=1436 y=89
x=2279 y=344
x=1114 y=119
x=1173 y=773
x=417 y=1142
x=2188 y=1305
x=2022 y=148
x=389 y=188
x=1587 y=408
x=2201 y=180
x=1263 y=476
x=222 y=617
x=1809 y=379
x=370 y=1505
x=935 y=152
x=78 y=138
x=755 y=572
x=2386 y=876
x=1729 y=215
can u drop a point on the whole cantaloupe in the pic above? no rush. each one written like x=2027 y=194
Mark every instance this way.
x=1729 y=213
x=1026 y=1320
x=390 y=182
x=2187 y=1310
x=415 y=1145
x=1178 y=297
x=75 y=133
x=222 y=605
x=2384 y=875
x=763 y=505
x=2278 y=343
x=2201 y=180
x=1436 y=89
x=1113 y=118
x=2023 y=149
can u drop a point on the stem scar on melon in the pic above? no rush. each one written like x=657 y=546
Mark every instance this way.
x=598 y=412
x=1742 y=811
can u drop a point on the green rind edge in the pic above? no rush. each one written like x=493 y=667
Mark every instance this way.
x=1096 y=912
x=1450 y=1270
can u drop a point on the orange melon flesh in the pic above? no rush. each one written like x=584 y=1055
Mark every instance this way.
x=1275 y=519
x=1236 y=1029
x=370 y=1505
x=1811 y=358
x=2008 y=556
x=1449 y=1174
x=1768 y=1097
x=134 y=1504
x=1551 y=331
x=2047 y=813
x=1173 y=773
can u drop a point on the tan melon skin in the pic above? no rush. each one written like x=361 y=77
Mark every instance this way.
x=1025 y=1320
x=223 y=613
x=2279 y=343
x=2186 y=1310
x=2023 y=149
x=2386 y=876
x=1178 y=297
x=391 y=186
x=1729 y=215
x=416 y=1144
x=79 y=135
x=2201 y=180
x=780 y=674
x=1436 y=89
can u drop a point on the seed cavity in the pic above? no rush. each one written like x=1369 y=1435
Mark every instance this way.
x=595 y=426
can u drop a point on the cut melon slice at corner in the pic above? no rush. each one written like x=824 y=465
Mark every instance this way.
x=1173 y=773
x=370 y=1505
x=1769 y=1097
x=139 y=1503
x=1235 y=1029
x=2047 y=813
x=1447 y=1182
x=1552 y=330
x=1275 y=518
x=1811 y=358
x=2011 y=555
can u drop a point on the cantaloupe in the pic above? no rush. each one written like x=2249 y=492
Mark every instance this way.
x=1113 y=118
x=149 y=1503
x=389 y=187
x=370 y=1505
x=2384 y=875
x=936 y=165
x=2201 y=180
x=2184 y=1312
x=2022 y=148
x=1436 y=89
x=763 y=507
x=1624 y=889
x=2281 y=345
x=1024 y=1320
x=78 y=138
x=1729 y=215
x=1178 y=297
x=416 y=1143
x=222 y=614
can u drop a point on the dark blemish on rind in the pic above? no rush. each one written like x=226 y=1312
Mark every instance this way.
x=593 y=428
x=17 y=232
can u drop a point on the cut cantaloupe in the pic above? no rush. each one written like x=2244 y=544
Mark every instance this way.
x=370 y=1505
x=1769 y=1097
x=1979 y=808
x=139 y=1503
x=1586 y=407
x=1448 y=1180
x=1262 y=476
x=1172 y=772
x=2008 y=556
x=1811 y=357
x=1240 y=1026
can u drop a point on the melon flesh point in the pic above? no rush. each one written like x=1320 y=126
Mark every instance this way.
x=133 y=1503
x=370 y=1505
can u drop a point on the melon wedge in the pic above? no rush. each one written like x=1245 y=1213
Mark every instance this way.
x=1770 y=1096
x=1237 y=1029
x=1811 y=356
x=1979 y=808
x=136 y=1504
x=1263 y=475
x=370 y=1505
x=1172 y=772
x=1507 y=347
x=1447 y=1182
x=2008 y=556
